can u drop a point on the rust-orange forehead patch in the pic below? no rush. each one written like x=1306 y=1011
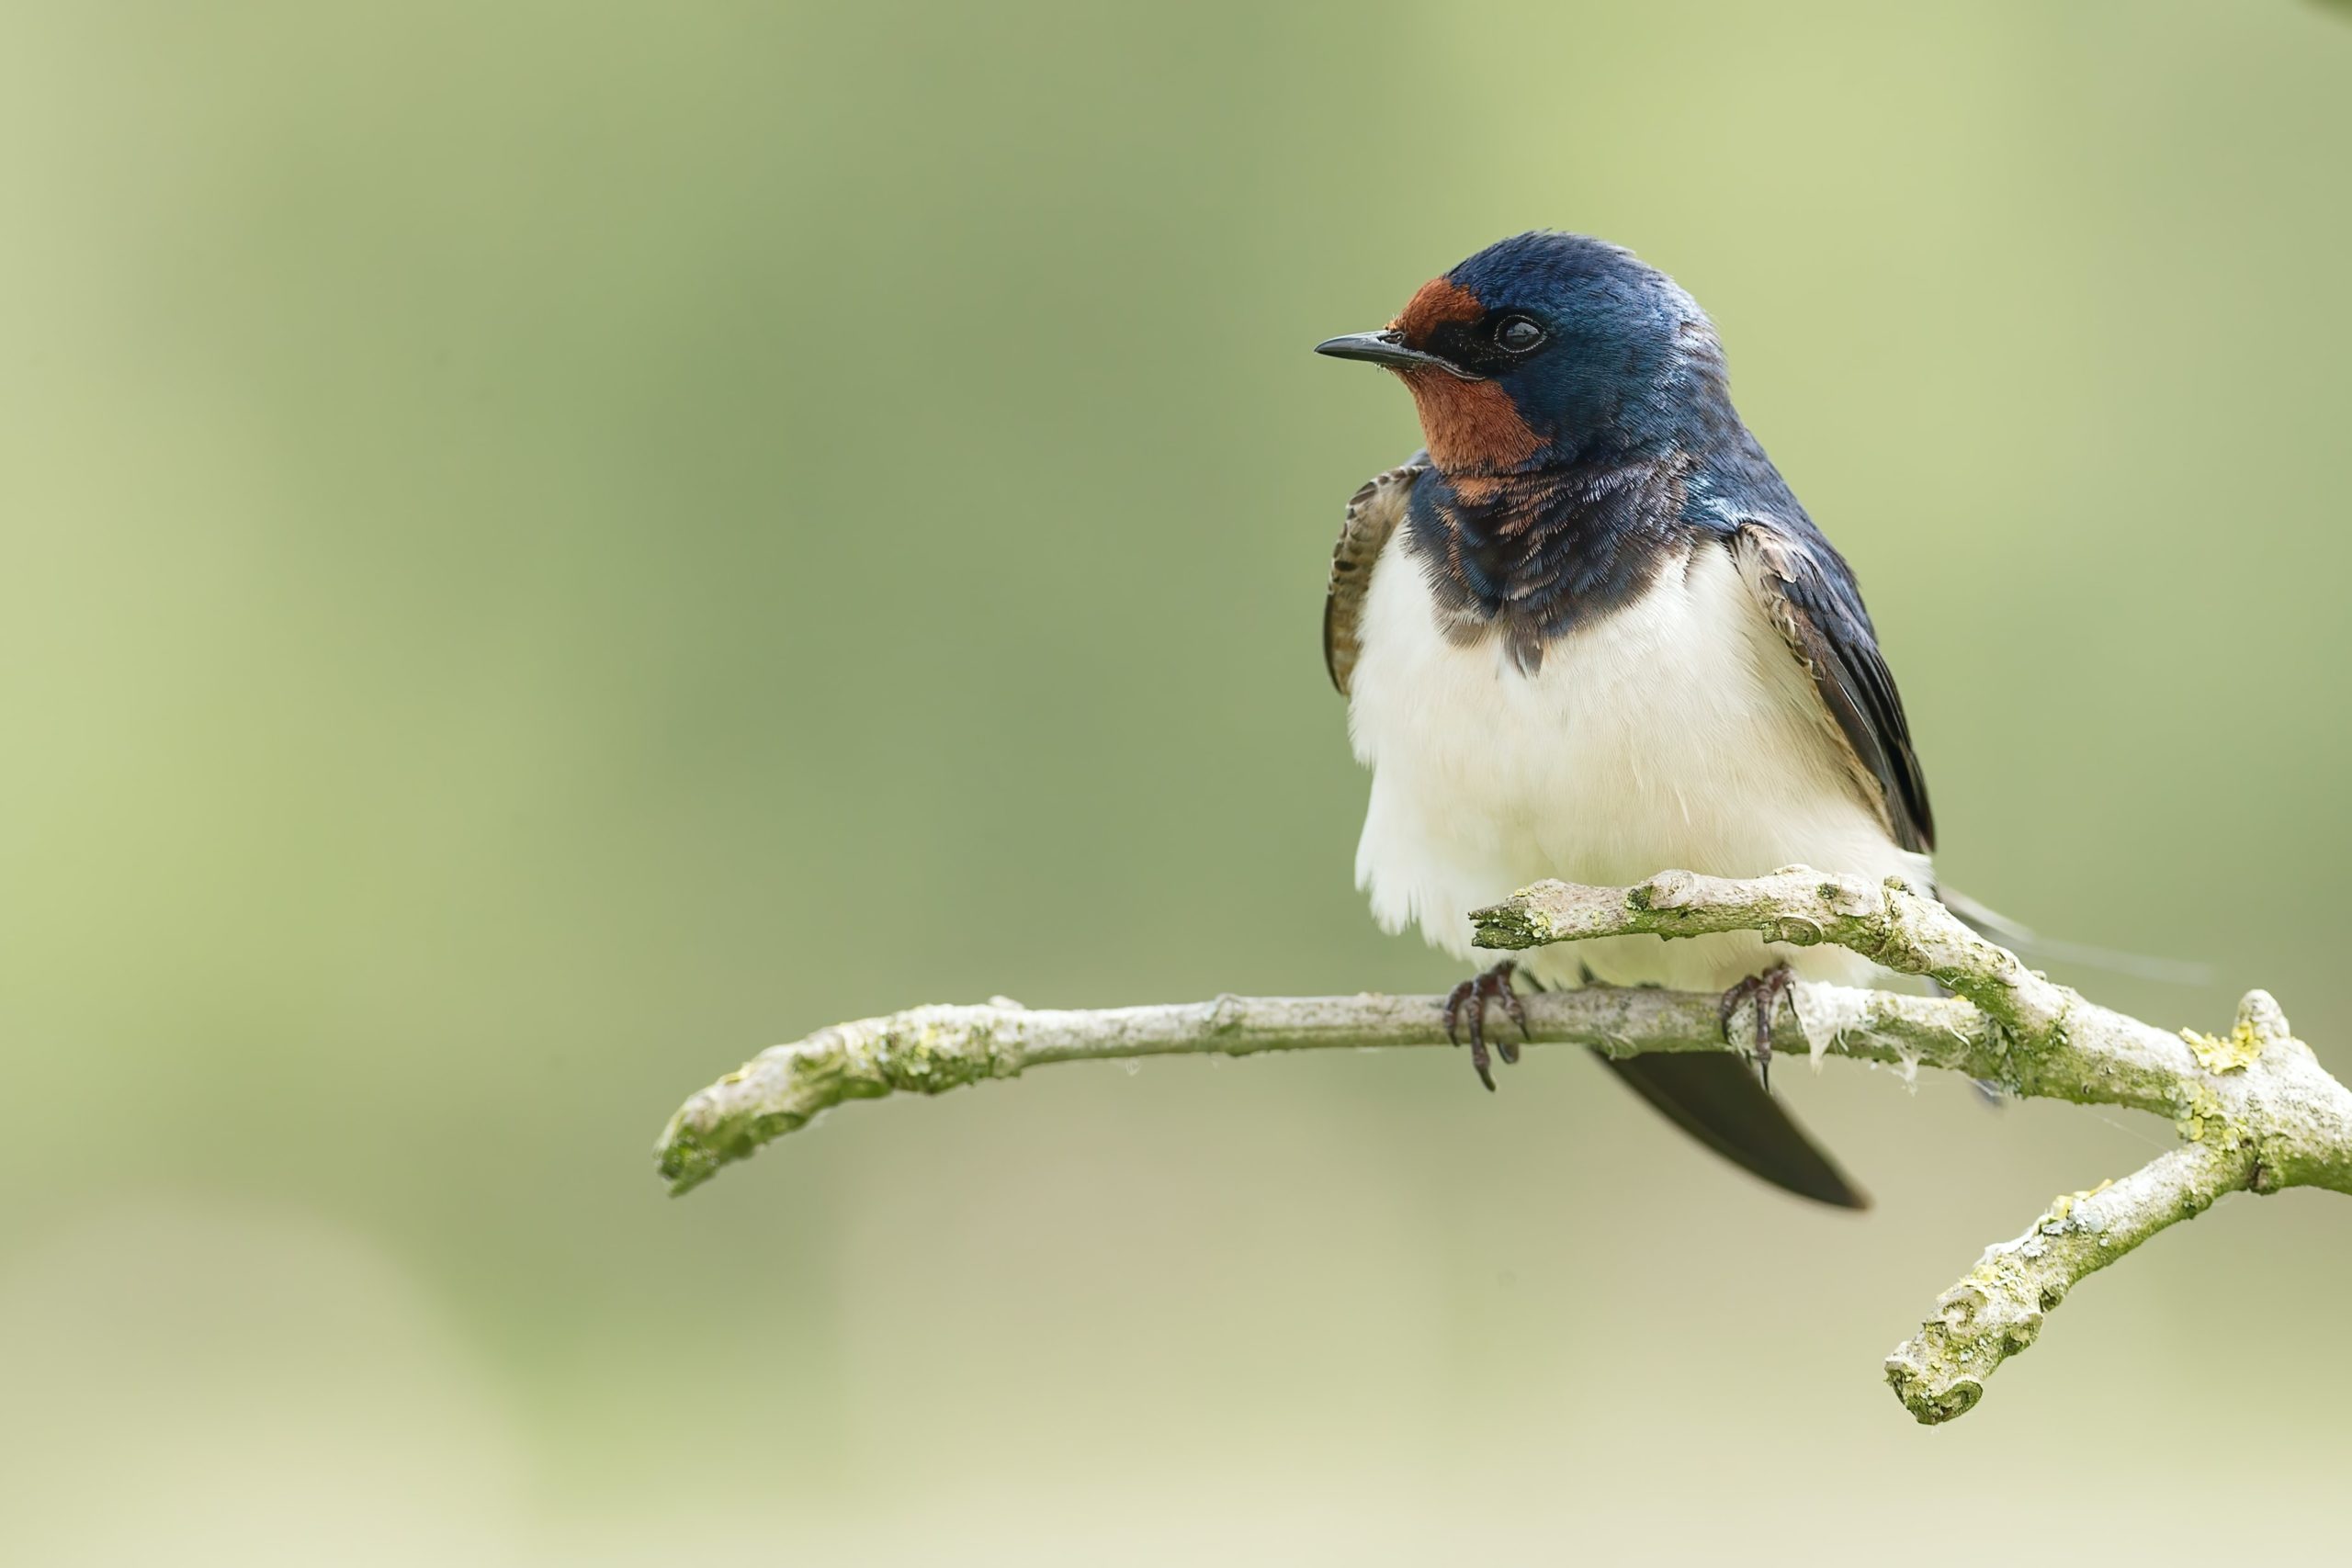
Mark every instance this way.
x=1440 y=300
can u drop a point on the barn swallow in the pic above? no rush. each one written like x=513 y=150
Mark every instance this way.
x=1587 y=633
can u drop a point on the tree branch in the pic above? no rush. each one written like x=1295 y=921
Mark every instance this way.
x=1997 y=1310
x=2255 y=1110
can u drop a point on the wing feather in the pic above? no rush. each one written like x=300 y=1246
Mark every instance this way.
x=1372 y=514
x=1809 y=591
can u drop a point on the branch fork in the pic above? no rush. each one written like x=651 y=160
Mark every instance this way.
x=2254 y=1109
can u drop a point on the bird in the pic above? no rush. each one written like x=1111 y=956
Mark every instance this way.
x=1587 y=632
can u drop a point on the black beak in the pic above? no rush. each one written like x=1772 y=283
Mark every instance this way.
x=1387 y=348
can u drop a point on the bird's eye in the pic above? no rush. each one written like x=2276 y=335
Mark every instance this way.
x=1517 y=334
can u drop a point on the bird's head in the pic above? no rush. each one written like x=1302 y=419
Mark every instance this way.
x=1545 y=348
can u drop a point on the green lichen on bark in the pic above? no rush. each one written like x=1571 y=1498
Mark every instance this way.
x=925 y=1050
x=1998 y=1309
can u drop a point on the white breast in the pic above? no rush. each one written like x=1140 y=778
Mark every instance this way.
x=1678 y=731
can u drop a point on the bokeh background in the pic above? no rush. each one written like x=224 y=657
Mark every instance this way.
x=548 y=547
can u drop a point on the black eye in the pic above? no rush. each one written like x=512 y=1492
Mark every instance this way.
x=1517 y=334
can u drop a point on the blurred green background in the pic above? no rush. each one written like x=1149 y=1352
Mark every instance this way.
x=536 y=535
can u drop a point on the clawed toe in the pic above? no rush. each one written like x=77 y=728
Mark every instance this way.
x=1763 y=992
x=1468 y=1002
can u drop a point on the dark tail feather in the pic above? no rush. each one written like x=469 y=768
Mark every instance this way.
x=1716 y=1099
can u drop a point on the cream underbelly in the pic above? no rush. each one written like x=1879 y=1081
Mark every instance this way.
x=1677 y=732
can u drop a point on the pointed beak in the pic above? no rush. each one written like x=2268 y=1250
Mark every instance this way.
x=1387 y=348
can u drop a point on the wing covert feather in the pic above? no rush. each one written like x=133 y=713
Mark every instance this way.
x=1372 y=514
x=1810 y=595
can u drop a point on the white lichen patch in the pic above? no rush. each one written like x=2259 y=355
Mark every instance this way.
x=2061 y=1207
x=1827 y=1012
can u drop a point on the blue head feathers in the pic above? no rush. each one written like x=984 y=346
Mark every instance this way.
x=1549 y=348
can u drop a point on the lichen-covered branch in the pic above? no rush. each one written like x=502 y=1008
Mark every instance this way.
x=2079 y=1052
x=930 y=1050
x=1996 y=1310
x=2254 y=1109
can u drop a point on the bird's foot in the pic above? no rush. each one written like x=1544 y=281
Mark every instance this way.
x=1468 y=1002
x=1763 y=992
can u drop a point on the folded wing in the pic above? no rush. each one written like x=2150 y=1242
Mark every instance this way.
x=1809 y=591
